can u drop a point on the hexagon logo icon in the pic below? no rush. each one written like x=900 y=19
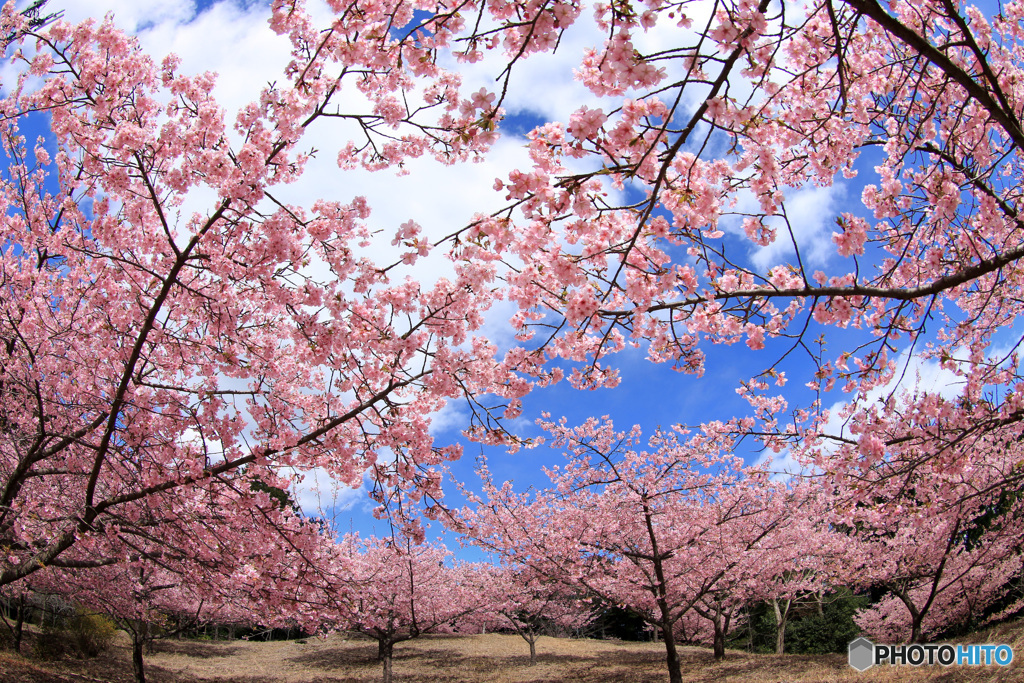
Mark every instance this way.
x=862 y=654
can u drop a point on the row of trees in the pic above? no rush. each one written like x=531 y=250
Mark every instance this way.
x=389 y=590
x=682 y=536
x=177 y=338
x=687 y=537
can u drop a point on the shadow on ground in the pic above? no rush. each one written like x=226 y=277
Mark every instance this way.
x=341 y=657
x=197 y=649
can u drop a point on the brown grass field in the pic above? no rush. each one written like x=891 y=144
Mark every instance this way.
x=491 y=658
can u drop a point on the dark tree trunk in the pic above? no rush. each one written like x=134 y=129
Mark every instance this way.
x=675 y=674
x=915 y=631
x=19 y=623
x=721 y=622
x=719 y=618
x=780 y=639
x=530 y=637
x=138 y=664
x=916 y=615
x=385 y=653
x=719 y=643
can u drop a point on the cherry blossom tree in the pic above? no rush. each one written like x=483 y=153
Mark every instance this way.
x=170 y=326
x=533 y=605
x=17 y=606
x=208 y=563
x=797 y=587
x=944 y=541
x=139 y=598
x=394 y=590
x=665 y=213
x=682 y=530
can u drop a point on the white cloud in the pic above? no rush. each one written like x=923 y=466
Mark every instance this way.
x=542 y=84
x=131 y=15
x=235 y=42
x=318 y=494
x=454 y=415
x=229 y=38
x=914 y=375
x=782 y=465
x=809 y=214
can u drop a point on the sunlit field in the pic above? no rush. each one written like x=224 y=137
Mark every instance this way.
x=491 y=658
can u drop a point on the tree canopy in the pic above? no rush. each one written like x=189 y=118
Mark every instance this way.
x=180 y=336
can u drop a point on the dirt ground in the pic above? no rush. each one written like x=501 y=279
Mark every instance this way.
x=491 y=658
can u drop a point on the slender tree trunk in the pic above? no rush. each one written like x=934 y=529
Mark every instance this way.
x=675 y=674
x=750 y=632
x=138 y=664
x=916 y=615
x=719 y=618
x=385 y=653
x=781 y=618
x=915 y=630
x=780 y=639
x=19 y=623
x=719 y=644
x=530 y=637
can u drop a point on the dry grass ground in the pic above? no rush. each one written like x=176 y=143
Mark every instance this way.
x=491 y=658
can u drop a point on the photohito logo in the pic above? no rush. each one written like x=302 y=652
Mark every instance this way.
x=864 y=654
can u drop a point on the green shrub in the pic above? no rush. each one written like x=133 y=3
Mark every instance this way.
x=807 y=631
x=84 y=635
x=830 y=631
x=91 y=633
x=757 y=632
